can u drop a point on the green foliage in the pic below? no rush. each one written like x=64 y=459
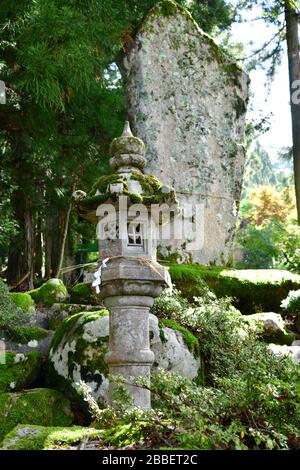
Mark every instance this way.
x=250 y=400
x=259 y=170
x=274 y=245
x=291 y=307
x=259 y=245
x=242 y=413
x=251 y=290
x=19 y=371
x=292 y=302
x=289 y=249
x=217 y=325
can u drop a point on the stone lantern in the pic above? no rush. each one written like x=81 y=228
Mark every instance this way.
x=129 y=278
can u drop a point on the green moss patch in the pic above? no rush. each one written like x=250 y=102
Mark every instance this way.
x=50 y=292
x=23 y=300
x=252 y=290
x=190 y=340
x=103 y=182
x=24 y=334
x=151 y=188
x=40 y=406
x=84 y=294
x=19 y=371
x=43 y=438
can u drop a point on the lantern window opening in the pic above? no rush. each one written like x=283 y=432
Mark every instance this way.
x=135 y=234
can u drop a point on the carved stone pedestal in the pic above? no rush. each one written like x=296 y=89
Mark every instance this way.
x=128 y=288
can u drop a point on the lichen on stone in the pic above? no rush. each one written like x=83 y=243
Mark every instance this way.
x=77 y=353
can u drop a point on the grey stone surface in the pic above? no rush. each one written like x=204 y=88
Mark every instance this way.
x=273 y=327
x=42 y=346
x=187 y=102
x=281 y=351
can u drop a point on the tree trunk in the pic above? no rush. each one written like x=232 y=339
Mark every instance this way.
x=65 y=233
x=292 y=38
x=38 y=248
x=29 y=242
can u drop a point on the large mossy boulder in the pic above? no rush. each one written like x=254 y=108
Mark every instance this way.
x=77 y=353
x=273 y=327
x=252 y=290
x=80 y=344
x=19 y=371
x=41 y=406
x=29 y=437
x=50 y=292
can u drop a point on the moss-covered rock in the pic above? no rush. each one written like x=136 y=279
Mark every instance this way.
x=273 y=328
x=24 y=301
x=80 y=344
x=83 y=293
x=41 y=406
x=50 y=292
x=252 y=290
x=190 y=340
x=19 y=371
x=31 y=437
x=25 y=334
x=59 y=312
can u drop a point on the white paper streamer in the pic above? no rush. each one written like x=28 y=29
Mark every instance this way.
x=169 y=281
x=97 y=275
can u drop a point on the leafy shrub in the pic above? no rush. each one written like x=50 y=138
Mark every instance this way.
x=221 y=330
x=291 y=307
x=292 y=302
x=239 y=414
x=11 y=316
